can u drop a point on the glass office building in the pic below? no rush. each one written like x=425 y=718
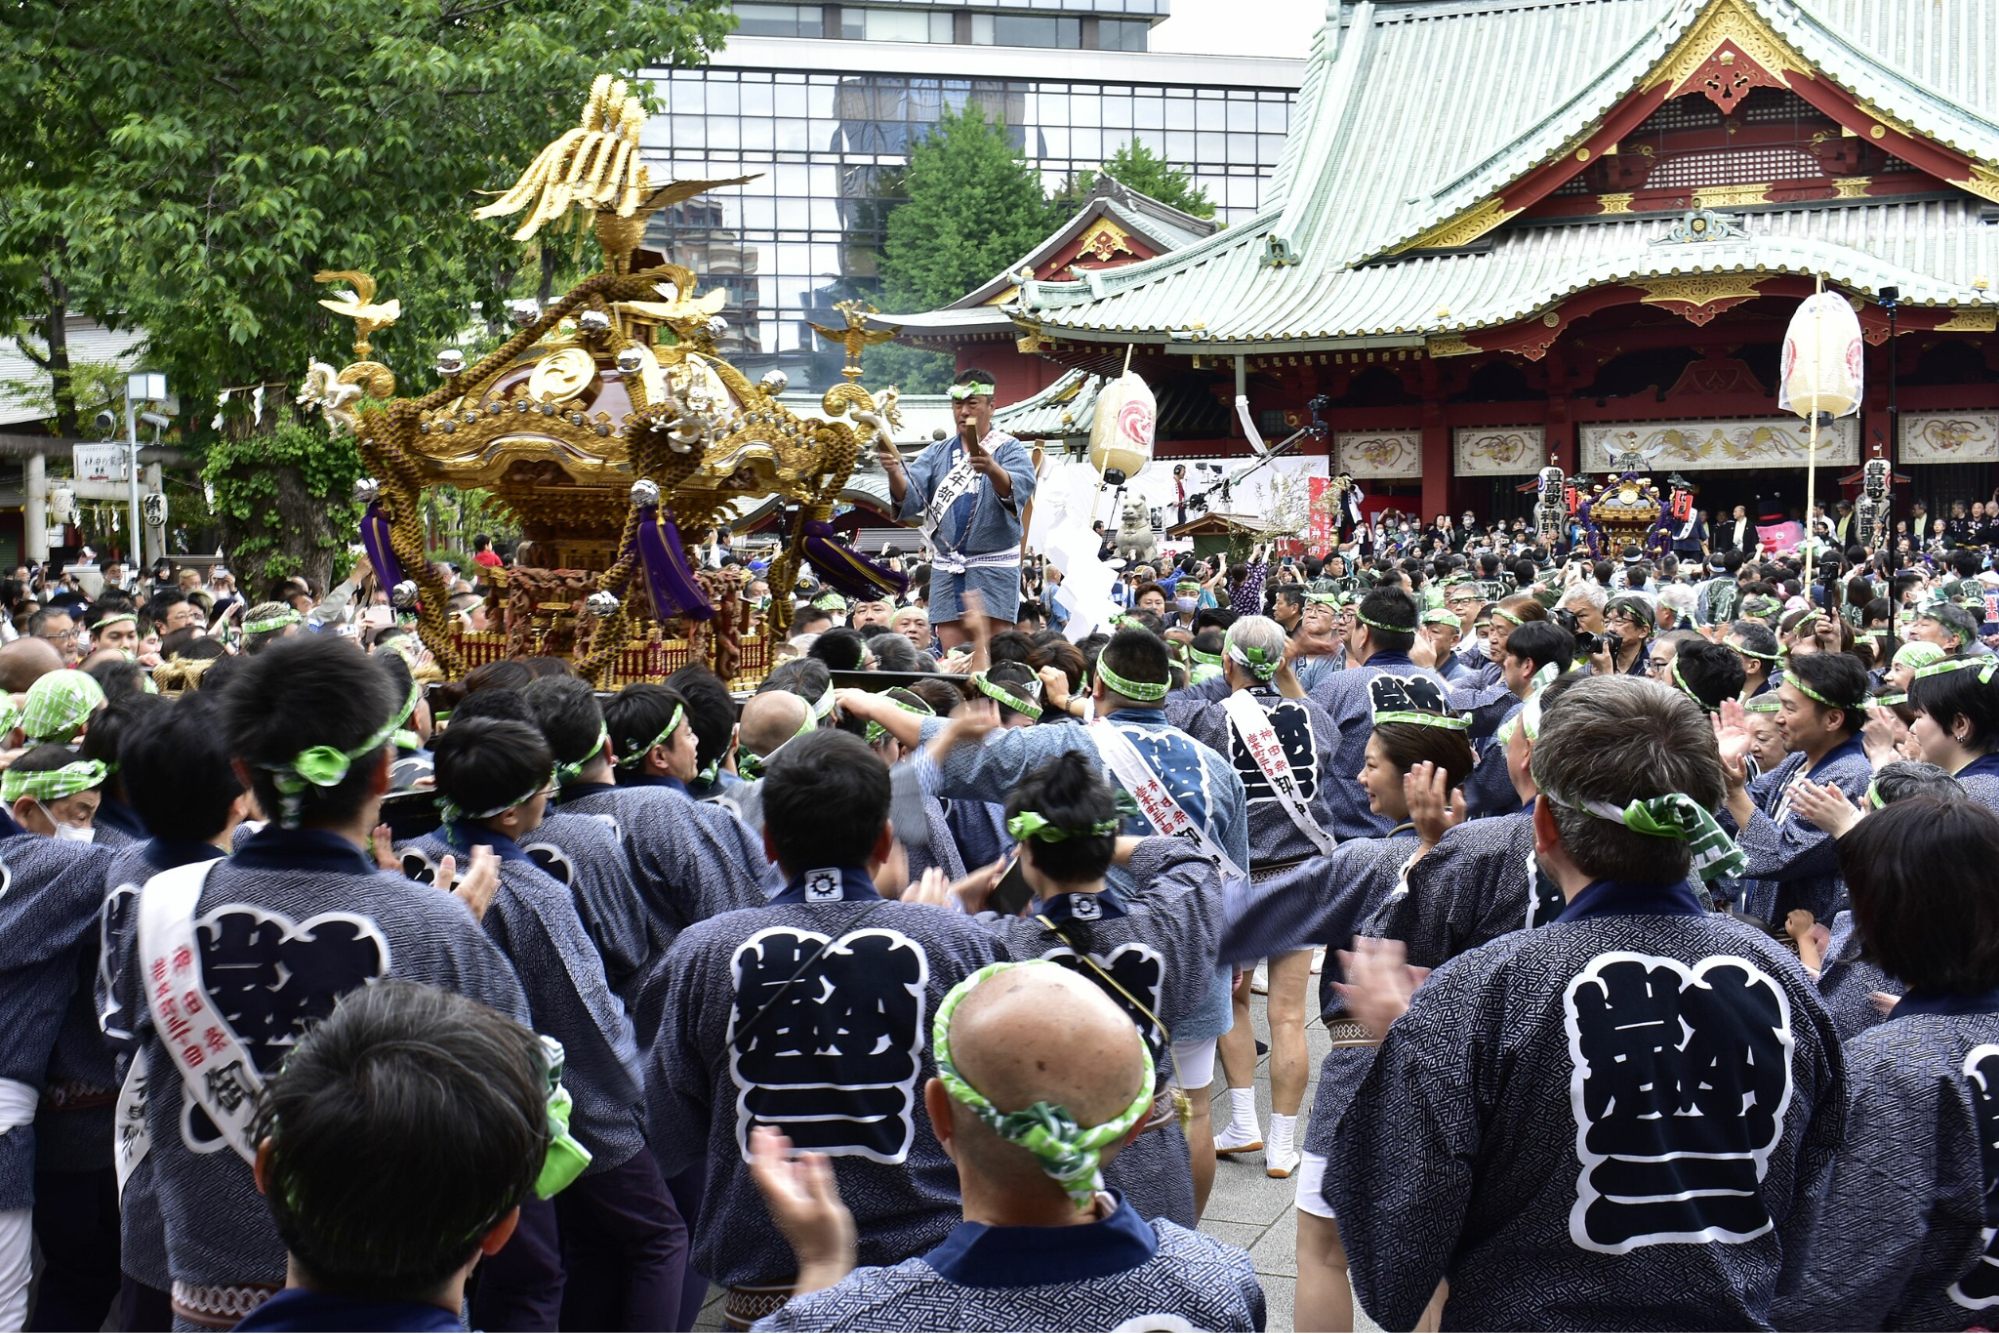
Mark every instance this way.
x=823 y=101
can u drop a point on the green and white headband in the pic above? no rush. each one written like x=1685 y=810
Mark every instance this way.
x=289 y=616
x=59 y=704
x=1674 y=815
x=1748 y=652
x=1034 y=825
x=1986 y=667
x=452 y=813
x=327 y=766
x=961 y=392
x=1918 y=653
x=1809 y=693
x=565 y=774
x=822 y=706
x=116 y=617
x=1069 y=1153
x=751 y=765
x=1146 y=691
x=876 y=731
x=1456 y=722
x=992 y=690
x=639 y=753
x=1765 y=703
x=1688 y=690
x=1442 y=616
x=1257 y=662
x=1383 y=626
x=1204 y=659
x=52 y=784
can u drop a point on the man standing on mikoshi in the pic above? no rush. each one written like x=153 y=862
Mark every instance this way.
x=968 y=494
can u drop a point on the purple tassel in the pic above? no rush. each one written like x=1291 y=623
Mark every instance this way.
x=668 y=580
x=846 y=570
x=381 y=551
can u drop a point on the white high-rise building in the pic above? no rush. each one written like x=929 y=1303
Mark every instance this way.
x=824 y=100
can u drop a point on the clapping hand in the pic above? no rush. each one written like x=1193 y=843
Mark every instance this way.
x=1731 y=734
x=1433 y=807
x=1825 y=807
x=1379 y=983
x=804 y=1201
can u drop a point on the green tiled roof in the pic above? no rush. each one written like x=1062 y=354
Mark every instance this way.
x=1414 y=111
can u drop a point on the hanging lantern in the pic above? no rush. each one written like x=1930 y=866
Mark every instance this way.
x=1822 y=358
x=1121 y=433
x=62 y=504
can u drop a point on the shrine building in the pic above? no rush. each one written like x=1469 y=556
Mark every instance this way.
x=1506 y=233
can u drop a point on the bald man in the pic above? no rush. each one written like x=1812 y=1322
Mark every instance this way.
x=768 y=721
x=1041 y=1247
x=26 y=661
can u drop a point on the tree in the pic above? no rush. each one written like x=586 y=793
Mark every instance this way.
x=186 y=166
x=1142 y=170
x=975 y=207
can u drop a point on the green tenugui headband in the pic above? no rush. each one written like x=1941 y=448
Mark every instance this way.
x=1456 y=722
x=327 y=766
x=639 y=754
x=961 y=392
x=1034 y=825
x=1069 y=1153
x=1676 y=816
x=1148 y=691
x=1255 y=661
x=1986 y=667
x=452 y=813
x=52 y=784
x=565 y=774
x=999 y=694
x=876 y=731
x=1810 y=693
x=1383 y=626
x=284 y=618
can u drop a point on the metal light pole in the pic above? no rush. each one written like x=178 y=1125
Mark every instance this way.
x=152 y=387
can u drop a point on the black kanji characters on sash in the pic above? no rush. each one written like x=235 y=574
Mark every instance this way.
x=1684 y=1074
x=1292 y=725
x=1979 y=1288
x=824 y=1043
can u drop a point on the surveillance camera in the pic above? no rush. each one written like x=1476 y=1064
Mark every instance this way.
x=107 y=420
x=156 y=419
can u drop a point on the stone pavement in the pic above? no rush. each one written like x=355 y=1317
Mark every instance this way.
x=1247 y=1207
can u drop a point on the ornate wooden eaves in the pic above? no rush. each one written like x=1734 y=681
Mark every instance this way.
x=1698 y=298
x=1723 y=54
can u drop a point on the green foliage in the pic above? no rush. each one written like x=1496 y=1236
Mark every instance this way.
x=81 y=386
x=975 y=206
x=186 y=166
x=284 y=503
x=1141 y=169
x=211 y=157
x=910 y=369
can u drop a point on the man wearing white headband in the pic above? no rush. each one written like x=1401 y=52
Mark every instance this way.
x=968 y=493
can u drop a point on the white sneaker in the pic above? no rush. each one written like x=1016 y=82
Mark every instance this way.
x=1259 y=981
x=1280 y=1163
x=1319 y=959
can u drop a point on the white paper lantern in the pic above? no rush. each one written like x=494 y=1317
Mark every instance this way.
x=1821 y=367
x=1121 y=433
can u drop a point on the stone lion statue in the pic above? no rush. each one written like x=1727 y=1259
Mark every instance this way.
x=1135 y=541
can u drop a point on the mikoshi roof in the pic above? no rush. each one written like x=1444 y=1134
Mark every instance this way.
x=1417 y=116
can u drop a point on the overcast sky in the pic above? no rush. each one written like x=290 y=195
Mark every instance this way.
x=1217 y=27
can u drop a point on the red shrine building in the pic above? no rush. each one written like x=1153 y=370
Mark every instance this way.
x=1508 y=233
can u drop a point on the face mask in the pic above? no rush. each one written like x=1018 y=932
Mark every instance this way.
x=1186 y=604
x=68 y=833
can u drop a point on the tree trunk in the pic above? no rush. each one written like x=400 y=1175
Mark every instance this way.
x=55 y=331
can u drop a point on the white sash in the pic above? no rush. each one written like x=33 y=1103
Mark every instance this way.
x=955 y=483
x=215 y=1067
x=1252 y=724
x=131 y=1141
x=1155 y=803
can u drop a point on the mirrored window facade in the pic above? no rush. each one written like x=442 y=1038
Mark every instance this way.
x=829 y=149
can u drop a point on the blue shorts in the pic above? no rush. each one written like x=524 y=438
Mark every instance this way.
x=998 y=586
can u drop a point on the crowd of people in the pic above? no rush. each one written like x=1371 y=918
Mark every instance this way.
x=1646 y=903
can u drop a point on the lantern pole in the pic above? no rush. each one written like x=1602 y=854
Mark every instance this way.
x=1812 y=447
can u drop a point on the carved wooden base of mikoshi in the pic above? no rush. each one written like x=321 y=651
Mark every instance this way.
x=544 y=615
